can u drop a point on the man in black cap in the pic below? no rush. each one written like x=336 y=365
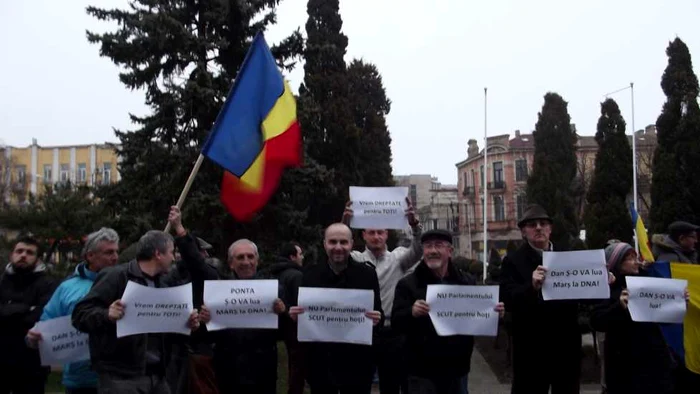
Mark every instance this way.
x=436 y=364
x=546 y=335
x=679 y=244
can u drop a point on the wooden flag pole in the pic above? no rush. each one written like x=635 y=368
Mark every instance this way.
x=188 y=184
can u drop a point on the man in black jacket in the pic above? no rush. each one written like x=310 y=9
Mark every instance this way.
x=340 y=367
x=134 y=364
x=546 y=334
x=288 y=271
x=25 y=288
x=436 y=364
x=245 y=359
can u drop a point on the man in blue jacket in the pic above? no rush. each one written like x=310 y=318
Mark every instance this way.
x=101 y=251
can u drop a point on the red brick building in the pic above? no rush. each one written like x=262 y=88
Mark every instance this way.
x=509 y=165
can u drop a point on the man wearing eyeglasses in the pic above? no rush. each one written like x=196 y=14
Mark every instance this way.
x=435 y=364
x=546 y=335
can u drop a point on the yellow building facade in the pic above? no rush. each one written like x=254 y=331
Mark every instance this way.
x=31 y=168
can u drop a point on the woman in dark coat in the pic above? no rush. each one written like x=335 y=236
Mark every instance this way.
x=637 y=359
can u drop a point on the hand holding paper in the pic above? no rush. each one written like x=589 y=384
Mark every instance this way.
x=204 y=315
x=501 y=309
x=295 y=311
x=193 y=321
x=116 y=311
x=278 y=307
x=375 y=316
x=538 y=277
x=420 y=308
x=625 y=298
x=33 y=338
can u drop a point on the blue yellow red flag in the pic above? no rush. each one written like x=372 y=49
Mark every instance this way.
x=642 y=238
x=256 y=134
x=683 y=339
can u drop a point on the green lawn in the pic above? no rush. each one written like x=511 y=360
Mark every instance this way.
x=54 y=383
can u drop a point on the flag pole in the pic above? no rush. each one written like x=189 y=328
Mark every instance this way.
x=188 y=184
x=634 y=168
x=485 y=183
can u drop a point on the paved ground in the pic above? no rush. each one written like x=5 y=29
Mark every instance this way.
x=483 y=381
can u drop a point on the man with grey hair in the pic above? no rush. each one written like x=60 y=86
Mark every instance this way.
x=101 y=251
x=136 y=363
x=245 y=360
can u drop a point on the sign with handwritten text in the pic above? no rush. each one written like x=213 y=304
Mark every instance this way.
x=241 y=303
x=575 y=275
x=657 y=300
x=463 y=310
x=155 y=310
x=379 y=207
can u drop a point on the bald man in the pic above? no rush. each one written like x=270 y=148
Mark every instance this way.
x=340 y=367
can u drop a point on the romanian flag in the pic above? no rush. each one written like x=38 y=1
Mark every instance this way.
x=642 y=238
x=256 y=134
x=684 y=339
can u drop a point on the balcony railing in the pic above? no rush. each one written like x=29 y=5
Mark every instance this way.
x=497 y=185
x=469 y=191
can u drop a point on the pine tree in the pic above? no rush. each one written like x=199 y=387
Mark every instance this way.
x=607 y=215
x=185 y=55
x=370 y=107
x=325 y=114
x=675 y=165
x=554 y=169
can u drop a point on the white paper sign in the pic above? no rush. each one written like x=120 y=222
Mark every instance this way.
x=241 y=303
x=335 y=315
x=379 y=207
x=576 y=275
x=463 y=310
x=657 y=300
x=155 y=310
x=61 y=343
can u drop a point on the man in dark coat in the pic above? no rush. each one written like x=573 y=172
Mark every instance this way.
x=341 y=367
x=678 y=245
x=245 y=359
x=136 y=363
x=546 y=334
x=25 y=288
x=436 y=364
x=287 y=270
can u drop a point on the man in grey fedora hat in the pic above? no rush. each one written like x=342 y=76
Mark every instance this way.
x=546 y=335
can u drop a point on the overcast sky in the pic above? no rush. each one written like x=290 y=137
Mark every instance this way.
x=435 y=56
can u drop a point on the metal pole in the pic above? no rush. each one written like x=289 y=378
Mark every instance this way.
x=634 y=166
x=485 y=182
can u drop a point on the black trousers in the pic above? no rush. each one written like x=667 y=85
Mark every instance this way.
x=346 y=389
x=81 y=390
x=562 y=366
x=421 y=385
x=390 y=361
x=296 y=366
x=686 y=381
x=18 y=379
x=111 y=384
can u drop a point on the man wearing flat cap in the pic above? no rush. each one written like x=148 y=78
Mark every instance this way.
x=546 y=335
x=435 y=364
x=679 y=244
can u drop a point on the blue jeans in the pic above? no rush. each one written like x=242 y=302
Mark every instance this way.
x=422 y=385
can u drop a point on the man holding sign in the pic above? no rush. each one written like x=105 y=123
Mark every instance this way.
x=546 y=334
x=101 y=251
x=136 y=363
x=637 y=359
x=245 y=359
x=390 y=266
x=340 y=367
x=436 y=364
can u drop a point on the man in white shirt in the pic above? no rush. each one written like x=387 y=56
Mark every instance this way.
x=390 y=266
